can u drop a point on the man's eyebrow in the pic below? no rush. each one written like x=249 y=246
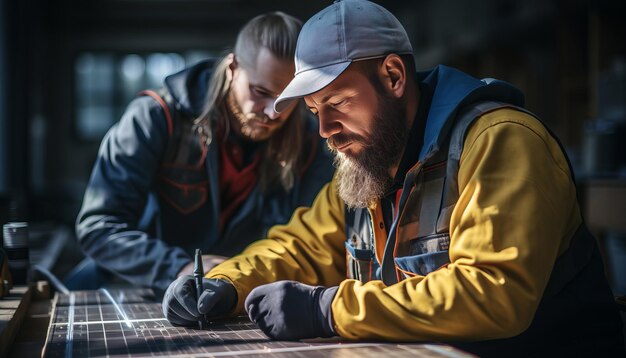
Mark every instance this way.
x=325 y=98
x=263 y=89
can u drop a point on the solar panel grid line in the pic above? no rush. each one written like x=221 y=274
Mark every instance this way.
x=101 y=345
x=70 y=327
x=51 y=328
x=91 y=322
x=304 y=351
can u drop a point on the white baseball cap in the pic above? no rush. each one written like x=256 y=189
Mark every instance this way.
x=346 y=31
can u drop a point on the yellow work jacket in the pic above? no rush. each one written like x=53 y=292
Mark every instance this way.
x=516 y=214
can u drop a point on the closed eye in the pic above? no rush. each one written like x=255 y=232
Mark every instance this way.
x=261 y=92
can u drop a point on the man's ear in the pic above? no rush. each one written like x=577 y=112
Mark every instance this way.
x=393 y=75
x=232 y=66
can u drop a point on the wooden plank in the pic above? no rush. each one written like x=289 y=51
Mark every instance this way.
x=31 y=337
x=13 y=307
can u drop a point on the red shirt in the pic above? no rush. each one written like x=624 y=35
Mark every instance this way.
x=236 y=179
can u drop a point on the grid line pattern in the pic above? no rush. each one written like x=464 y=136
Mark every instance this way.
x=122 y=323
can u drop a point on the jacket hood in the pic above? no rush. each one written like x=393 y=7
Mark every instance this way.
x=189 y=87
x=452 y=90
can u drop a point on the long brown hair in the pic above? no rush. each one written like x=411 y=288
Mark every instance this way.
x=282 y=157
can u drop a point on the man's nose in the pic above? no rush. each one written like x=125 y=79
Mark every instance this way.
x=268 y=110
x=328 y=125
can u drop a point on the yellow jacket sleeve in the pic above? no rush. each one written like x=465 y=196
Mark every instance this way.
x=516 y=213
x=309 y=249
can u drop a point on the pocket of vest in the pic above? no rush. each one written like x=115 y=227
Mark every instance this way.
x=184 y=189
x=359 y=263
x=422 y=264
x=424 y=254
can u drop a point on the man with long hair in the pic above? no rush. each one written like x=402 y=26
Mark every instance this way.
x=452 y=217
x=206 y=163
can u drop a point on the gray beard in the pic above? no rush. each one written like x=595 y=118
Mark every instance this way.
x=363 y=180
x=357 y=186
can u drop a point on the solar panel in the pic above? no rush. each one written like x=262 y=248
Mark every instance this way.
x=130 y=322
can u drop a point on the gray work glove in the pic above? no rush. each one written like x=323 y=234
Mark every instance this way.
x=182 y=308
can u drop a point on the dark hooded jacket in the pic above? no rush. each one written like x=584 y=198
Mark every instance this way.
x=137 y=220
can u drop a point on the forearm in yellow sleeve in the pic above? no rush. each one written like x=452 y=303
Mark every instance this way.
x=516 y=212
x=309 y=249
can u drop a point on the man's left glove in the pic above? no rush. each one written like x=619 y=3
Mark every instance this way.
x=289 y=310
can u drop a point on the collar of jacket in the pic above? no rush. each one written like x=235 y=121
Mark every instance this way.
x=189 y=86
x=443 y=91
x=451 y=91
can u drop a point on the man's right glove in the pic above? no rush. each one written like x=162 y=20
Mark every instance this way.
x=290 y=310
x=182 y=308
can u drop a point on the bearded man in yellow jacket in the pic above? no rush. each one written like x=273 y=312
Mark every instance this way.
x=452 y=216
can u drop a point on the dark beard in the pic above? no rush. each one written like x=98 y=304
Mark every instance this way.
x=362 y=180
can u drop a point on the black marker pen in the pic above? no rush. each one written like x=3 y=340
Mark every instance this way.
x=198 y=274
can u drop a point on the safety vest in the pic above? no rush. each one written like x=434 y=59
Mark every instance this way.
x=419 y=239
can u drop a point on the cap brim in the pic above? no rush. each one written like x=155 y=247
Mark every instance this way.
x=307 y=82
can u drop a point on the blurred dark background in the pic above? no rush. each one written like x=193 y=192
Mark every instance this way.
x=69 y=68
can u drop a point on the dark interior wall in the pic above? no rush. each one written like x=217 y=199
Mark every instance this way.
x=17 y=40
x=3 y=90
x=552 y=49
x=540 y=46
